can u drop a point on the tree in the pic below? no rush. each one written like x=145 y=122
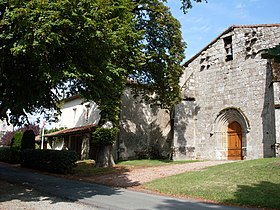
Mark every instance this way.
x=272 y=53
x=187 y=4
x=53 y=48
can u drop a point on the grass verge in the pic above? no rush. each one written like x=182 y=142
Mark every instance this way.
x=85 y=169
x=247 y=183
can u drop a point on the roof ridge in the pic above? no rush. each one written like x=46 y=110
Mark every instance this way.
x=256 y=25
x=230 y=28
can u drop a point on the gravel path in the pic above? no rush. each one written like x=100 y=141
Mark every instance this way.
x=138 y=176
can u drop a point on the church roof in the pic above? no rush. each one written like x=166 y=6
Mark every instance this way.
x=229 y=29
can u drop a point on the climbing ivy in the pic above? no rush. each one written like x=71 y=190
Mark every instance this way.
x=105 y=136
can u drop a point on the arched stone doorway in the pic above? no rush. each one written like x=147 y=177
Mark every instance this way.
x=229 y=134
x=234 y=138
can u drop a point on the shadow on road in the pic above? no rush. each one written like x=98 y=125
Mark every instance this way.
x=9 y=192
x=18 y=184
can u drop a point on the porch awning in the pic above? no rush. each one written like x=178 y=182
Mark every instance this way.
x=72 y=131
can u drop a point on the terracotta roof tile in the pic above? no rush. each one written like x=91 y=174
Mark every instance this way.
x=71 y=131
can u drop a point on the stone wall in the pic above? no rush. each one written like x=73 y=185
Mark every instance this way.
x=276 y=85
x=145 y=132
x=228 y=81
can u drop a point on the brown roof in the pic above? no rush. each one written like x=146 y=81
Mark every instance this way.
x=38 y=138
x=225 y=32
x=71 y=98
x=72 y=131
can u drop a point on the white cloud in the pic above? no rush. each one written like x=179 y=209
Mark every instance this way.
x=194 y=20
x=203 y=28
x=240 y=6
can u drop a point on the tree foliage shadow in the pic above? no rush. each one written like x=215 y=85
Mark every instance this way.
x=261 y=195
x=185 y=114
x=267 y=115
x=10 y=191
x=117 y=176
x=145 y=131
x=53 y=186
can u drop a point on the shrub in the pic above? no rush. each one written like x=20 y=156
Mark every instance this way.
x=105 y=136
x=6 y=139
x=28 y=140
x=5 y=154
x=16 y=147
x=54 y=161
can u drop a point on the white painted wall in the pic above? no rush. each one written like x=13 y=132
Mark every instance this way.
x=4 y=127
x=76 y=113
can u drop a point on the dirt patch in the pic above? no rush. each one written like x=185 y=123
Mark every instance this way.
x=133 y=177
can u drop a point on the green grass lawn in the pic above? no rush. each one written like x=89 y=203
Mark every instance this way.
x=85 y=168
x=250 y=183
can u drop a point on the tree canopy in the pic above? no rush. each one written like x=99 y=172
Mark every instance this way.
x=187 y=4
x=272 y=53
x=50 y=49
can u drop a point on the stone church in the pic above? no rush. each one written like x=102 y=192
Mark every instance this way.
x=231 y=98
x=230 y=108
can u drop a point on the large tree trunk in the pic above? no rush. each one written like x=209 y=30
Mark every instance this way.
x=104 y=157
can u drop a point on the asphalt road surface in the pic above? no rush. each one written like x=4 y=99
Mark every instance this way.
x=90 y=196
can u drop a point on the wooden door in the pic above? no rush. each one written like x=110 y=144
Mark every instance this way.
x=76 y=144
x=234 y=141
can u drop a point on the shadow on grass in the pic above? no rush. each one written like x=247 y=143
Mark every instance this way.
x=113 y=176
x=264 y=194
x=117 y=177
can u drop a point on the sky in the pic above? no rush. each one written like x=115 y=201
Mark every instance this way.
x=205 y=21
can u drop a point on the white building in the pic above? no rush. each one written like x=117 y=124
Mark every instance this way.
x=75 y=112
x=4 y=127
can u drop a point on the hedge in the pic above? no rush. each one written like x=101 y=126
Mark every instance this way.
x=28 y=140
x=5 y=154
x=16 y=147
x=54 y=161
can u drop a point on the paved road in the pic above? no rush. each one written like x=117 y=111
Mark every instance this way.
x=99 y=196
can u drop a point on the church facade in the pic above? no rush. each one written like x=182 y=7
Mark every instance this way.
x=231 y=98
